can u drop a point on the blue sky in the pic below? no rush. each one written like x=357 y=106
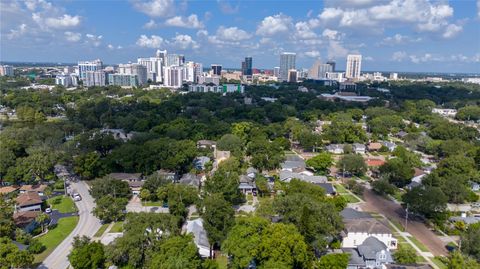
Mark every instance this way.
x=392 y=35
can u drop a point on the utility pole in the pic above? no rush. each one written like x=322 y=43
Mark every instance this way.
x=406 y=218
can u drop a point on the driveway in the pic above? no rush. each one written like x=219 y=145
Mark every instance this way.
x=87 y=225
x=393 y=211
x=135 y=205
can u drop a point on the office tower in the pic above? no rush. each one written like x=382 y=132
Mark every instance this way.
x=247 y=66
x=175 y=59
x=332 y=63
x=313 y=73
x=123 y=80
x=174 y=76
x=198 y=71
x=64 y=80
x=189 y=71
x=276 y=71
x=85 y=66
x=354 y=66
x=134 y=69
x=154 y=67
x=287 y=62
x=95 y=78
x=6 y=70
x=292 y=75
x=69 y=69
x=216 y=69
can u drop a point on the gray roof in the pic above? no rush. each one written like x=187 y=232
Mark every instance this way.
x=370 y=247
x=246 y=186
x=126 y=176
x=355 y=258
x=334 y=146
x=328 y=187
x=466 y=220
x=359 y=146
x=190 y=179
x=252 y=170
x=195 y=227
x=350 y=213
x=389 y=144
x=287 y=175
x=366 y=225
x=293 y=164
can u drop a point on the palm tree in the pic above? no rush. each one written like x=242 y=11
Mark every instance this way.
x=42 y=219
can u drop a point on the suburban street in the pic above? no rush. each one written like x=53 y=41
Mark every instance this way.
x=393 y=211
x=87 y=225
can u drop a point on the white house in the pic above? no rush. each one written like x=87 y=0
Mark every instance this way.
x=359 y=148
x=447 y=112
x=358 y=230
x=29 y=201
x=200 y=238
x=335 y=148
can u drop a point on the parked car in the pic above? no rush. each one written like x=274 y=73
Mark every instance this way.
x=48 y=210
x=77 y=197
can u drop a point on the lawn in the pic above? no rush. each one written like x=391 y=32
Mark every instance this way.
x=222 y=261
x=398 y=195
x=101 y=230
x=117 y=227
x=55 y=236
x=62 y=204
x=439 y=263
x=418 y=244
x=350 y=198
x=340 y=189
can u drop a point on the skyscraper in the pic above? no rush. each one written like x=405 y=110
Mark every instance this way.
x=354 y=66
x=319 y=70
x=134 y=69
x=287 y=62
x=217 y=69
x=154 y=67
x=332 y=63
x=247 y=66
x=174 y=76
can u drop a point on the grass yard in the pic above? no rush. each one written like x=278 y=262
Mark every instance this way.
x=418 y=244
x=117 y=227
x=62 y=204
x=350 y=198
x=55 y=236
x=101 y=230
x=340 y=189
x=222 y=261
x=398 y=195
x=153 y=203
x=439 y=263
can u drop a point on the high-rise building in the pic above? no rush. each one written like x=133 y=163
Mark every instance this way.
x=217 y=69
x=64 y=80
x=319 y=70
x=154 y=67
x=175 y=59
x=134 y=69
x=198 y=71
x=247 y=66
x=292 y=75
x=354 y=66
x=332 y=63
x=276 y=72
x=189 y=71
x=123 y=80
x=393 y=76
x=85 y=66
x=287 y=62
x=95 y=78
x=174 y=76
x=6 y=70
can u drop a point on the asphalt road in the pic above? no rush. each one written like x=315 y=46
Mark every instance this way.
x=393 y=211
x=87 y=225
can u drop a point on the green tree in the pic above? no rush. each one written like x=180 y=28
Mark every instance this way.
x=470 y=239
x=7 y=226
x=262 y=185
x=232 y=143
x=110 y=209
x=397 y=172
x=264 y=154
x=42 y=219
x=179 y=198
x=352 y=163
x=12 y=257
x=427 y=201
x=86 y=254
x=321 y=162
x=108 y=186
x=145 y=195
x=176 y=252
x=218 y=218
x=459 y=261
x=225 y=181
x=333 y=261
x=405 y=255
x=88 y=165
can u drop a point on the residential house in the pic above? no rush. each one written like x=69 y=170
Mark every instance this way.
x=221 y=155
x=475 y=186
x=371 y=254
x=374 y=146
x=204 y=144
x=374 y=162
x=446 y=112
x=358 y=230
x=389 y=145
x=293 y=164
x=25 y=220
x=287 y=176
x=190 y=179
x=200 y=162
x=359 y=148
x=8 y=191
x=465 y=219
x=29 y=201
x=200 y=238
x=401 y=134
x=335 y=148
x=39 y=188
x=329 y=188
x=247 y=185
x=135 y=180
x=169 y=175
x=417 y=179
x=118 y=134
x=252 y=172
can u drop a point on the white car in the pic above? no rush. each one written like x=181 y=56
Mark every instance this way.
x=77 y=197
x=48 y=210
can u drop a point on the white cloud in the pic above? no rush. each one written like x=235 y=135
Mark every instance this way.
x=452 y=30
x=72 y=37
x=313 y=54
x=155 y=8
x=191 y=22
x=63 y=22
x=330 y=13
x=399 y=39
x=16 y=33
x=110 y=47
x=332 y=34
x=335 y=49
x=95 y=40
x=232 y=34
x=478 y=8
x=152 y=42
x=202 y=33
x=150 y=24
x=399 y=56
x=273 y=25
x=227 y=8
x=304 y=31
x=184 y=42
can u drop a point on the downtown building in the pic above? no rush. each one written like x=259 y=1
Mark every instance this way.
x=87 y=66
x=287 y=63
x=6 y=70
x=354 y=66
x=247 y=69
x=134 y=69
x=154 y=67
x=95 y=78
x=174 y=76
x=123 y=80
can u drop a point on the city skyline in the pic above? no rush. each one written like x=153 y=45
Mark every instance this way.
x=417 y=36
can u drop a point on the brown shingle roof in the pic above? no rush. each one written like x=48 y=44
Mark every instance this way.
x=126 y=176
x=25 y=217
x=36 y=188
x=8 y=189
x=370 y=226
x=374 y=146
x=28 y=198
